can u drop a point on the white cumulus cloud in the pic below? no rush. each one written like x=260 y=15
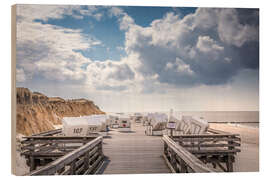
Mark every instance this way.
x=207 y=47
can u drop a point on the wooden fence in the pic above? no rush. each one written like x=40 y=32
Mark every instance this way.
x=62 y=154
x=180 y=160
x=215 y=149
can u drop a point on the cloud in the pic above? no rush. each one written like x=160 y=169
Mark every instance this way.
x=204 y=48
x=90 y=11
x=228 y=59
x=179 y=66
x=124 y=19
x=109 y=75
x=46 y=12
x=206 y=44
x=111 y=88
x=120 y=48
x=122 y=72
x=231 y=31
x=64 y=68
x=116 y=11
x=98 y=16
x=20 y=76
x=208 y=47
x=47 y=50
x=42 y=12
x=182 y=67
x=233 y=26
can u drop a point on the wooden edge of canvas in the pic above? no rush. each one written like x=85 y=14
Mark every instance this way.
x=13 y=89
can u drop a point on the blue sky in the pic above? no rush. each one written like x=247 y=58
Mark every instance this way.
x=107 y=29
x=183 y=58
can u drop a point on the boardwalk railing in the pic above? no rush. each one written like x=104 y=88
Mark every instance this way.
x=63 y=154
x=84 y=160
x=180 y=160
x=49 y=133
x=216 y=148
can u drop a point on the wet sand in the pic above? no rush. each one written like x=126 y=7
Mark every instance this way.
x=248 y=159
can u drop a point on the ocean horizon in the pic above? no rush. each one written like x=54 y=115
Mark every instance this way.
x=236 y=118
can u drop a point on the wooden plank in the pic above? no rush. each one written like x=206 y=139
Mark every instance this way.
x=58 y=137
x=213 y=151
x=221 y=167
x=207 y=139
x=205 y=135
x=40 y=141
x=49 y=133
x=66 y=171
x=33 y=147
x=212 y=145
x=79 y=162
x=134 y=152
x=80 y=170
x=94 y=165
x=93 y=158
x=42 y=154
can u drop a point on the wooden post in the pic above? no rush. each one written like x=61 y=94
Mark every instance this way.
x=180 y=141
x=32 y=163
x=230 y=157
x=84 y=141
x=100 y=149
x=229 y=163
x=199 y=145
x=214 y=165
x=60 y=171
x=73 y=168
x=173 y=160
x=31 y=157
x=86 y=161
x=183 y=167
x=165 y=149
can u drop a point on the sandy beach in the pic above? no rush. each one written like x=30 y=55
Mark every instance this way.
x=20 y=165
x=248 y=159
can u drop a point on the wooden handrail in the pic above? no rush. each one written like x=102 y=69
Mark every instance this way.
x=206 y=135
x=215 y=131
x=190 y=160
x=49 y=133
x=208 y=139
x=60 y=163
x=58 y=137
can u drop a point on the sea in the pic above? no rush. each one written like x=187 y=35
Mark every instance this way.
x=235 y=118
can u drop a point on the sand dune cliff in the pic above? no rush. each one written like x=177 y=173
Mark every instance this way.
x=37 y=112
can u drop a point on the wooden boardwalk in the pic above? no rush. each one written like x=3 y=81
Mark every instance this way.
x=134 y=152
x=130 y=153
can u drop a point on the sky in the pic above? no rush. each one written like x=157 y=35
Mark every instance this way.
x=128 y=58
